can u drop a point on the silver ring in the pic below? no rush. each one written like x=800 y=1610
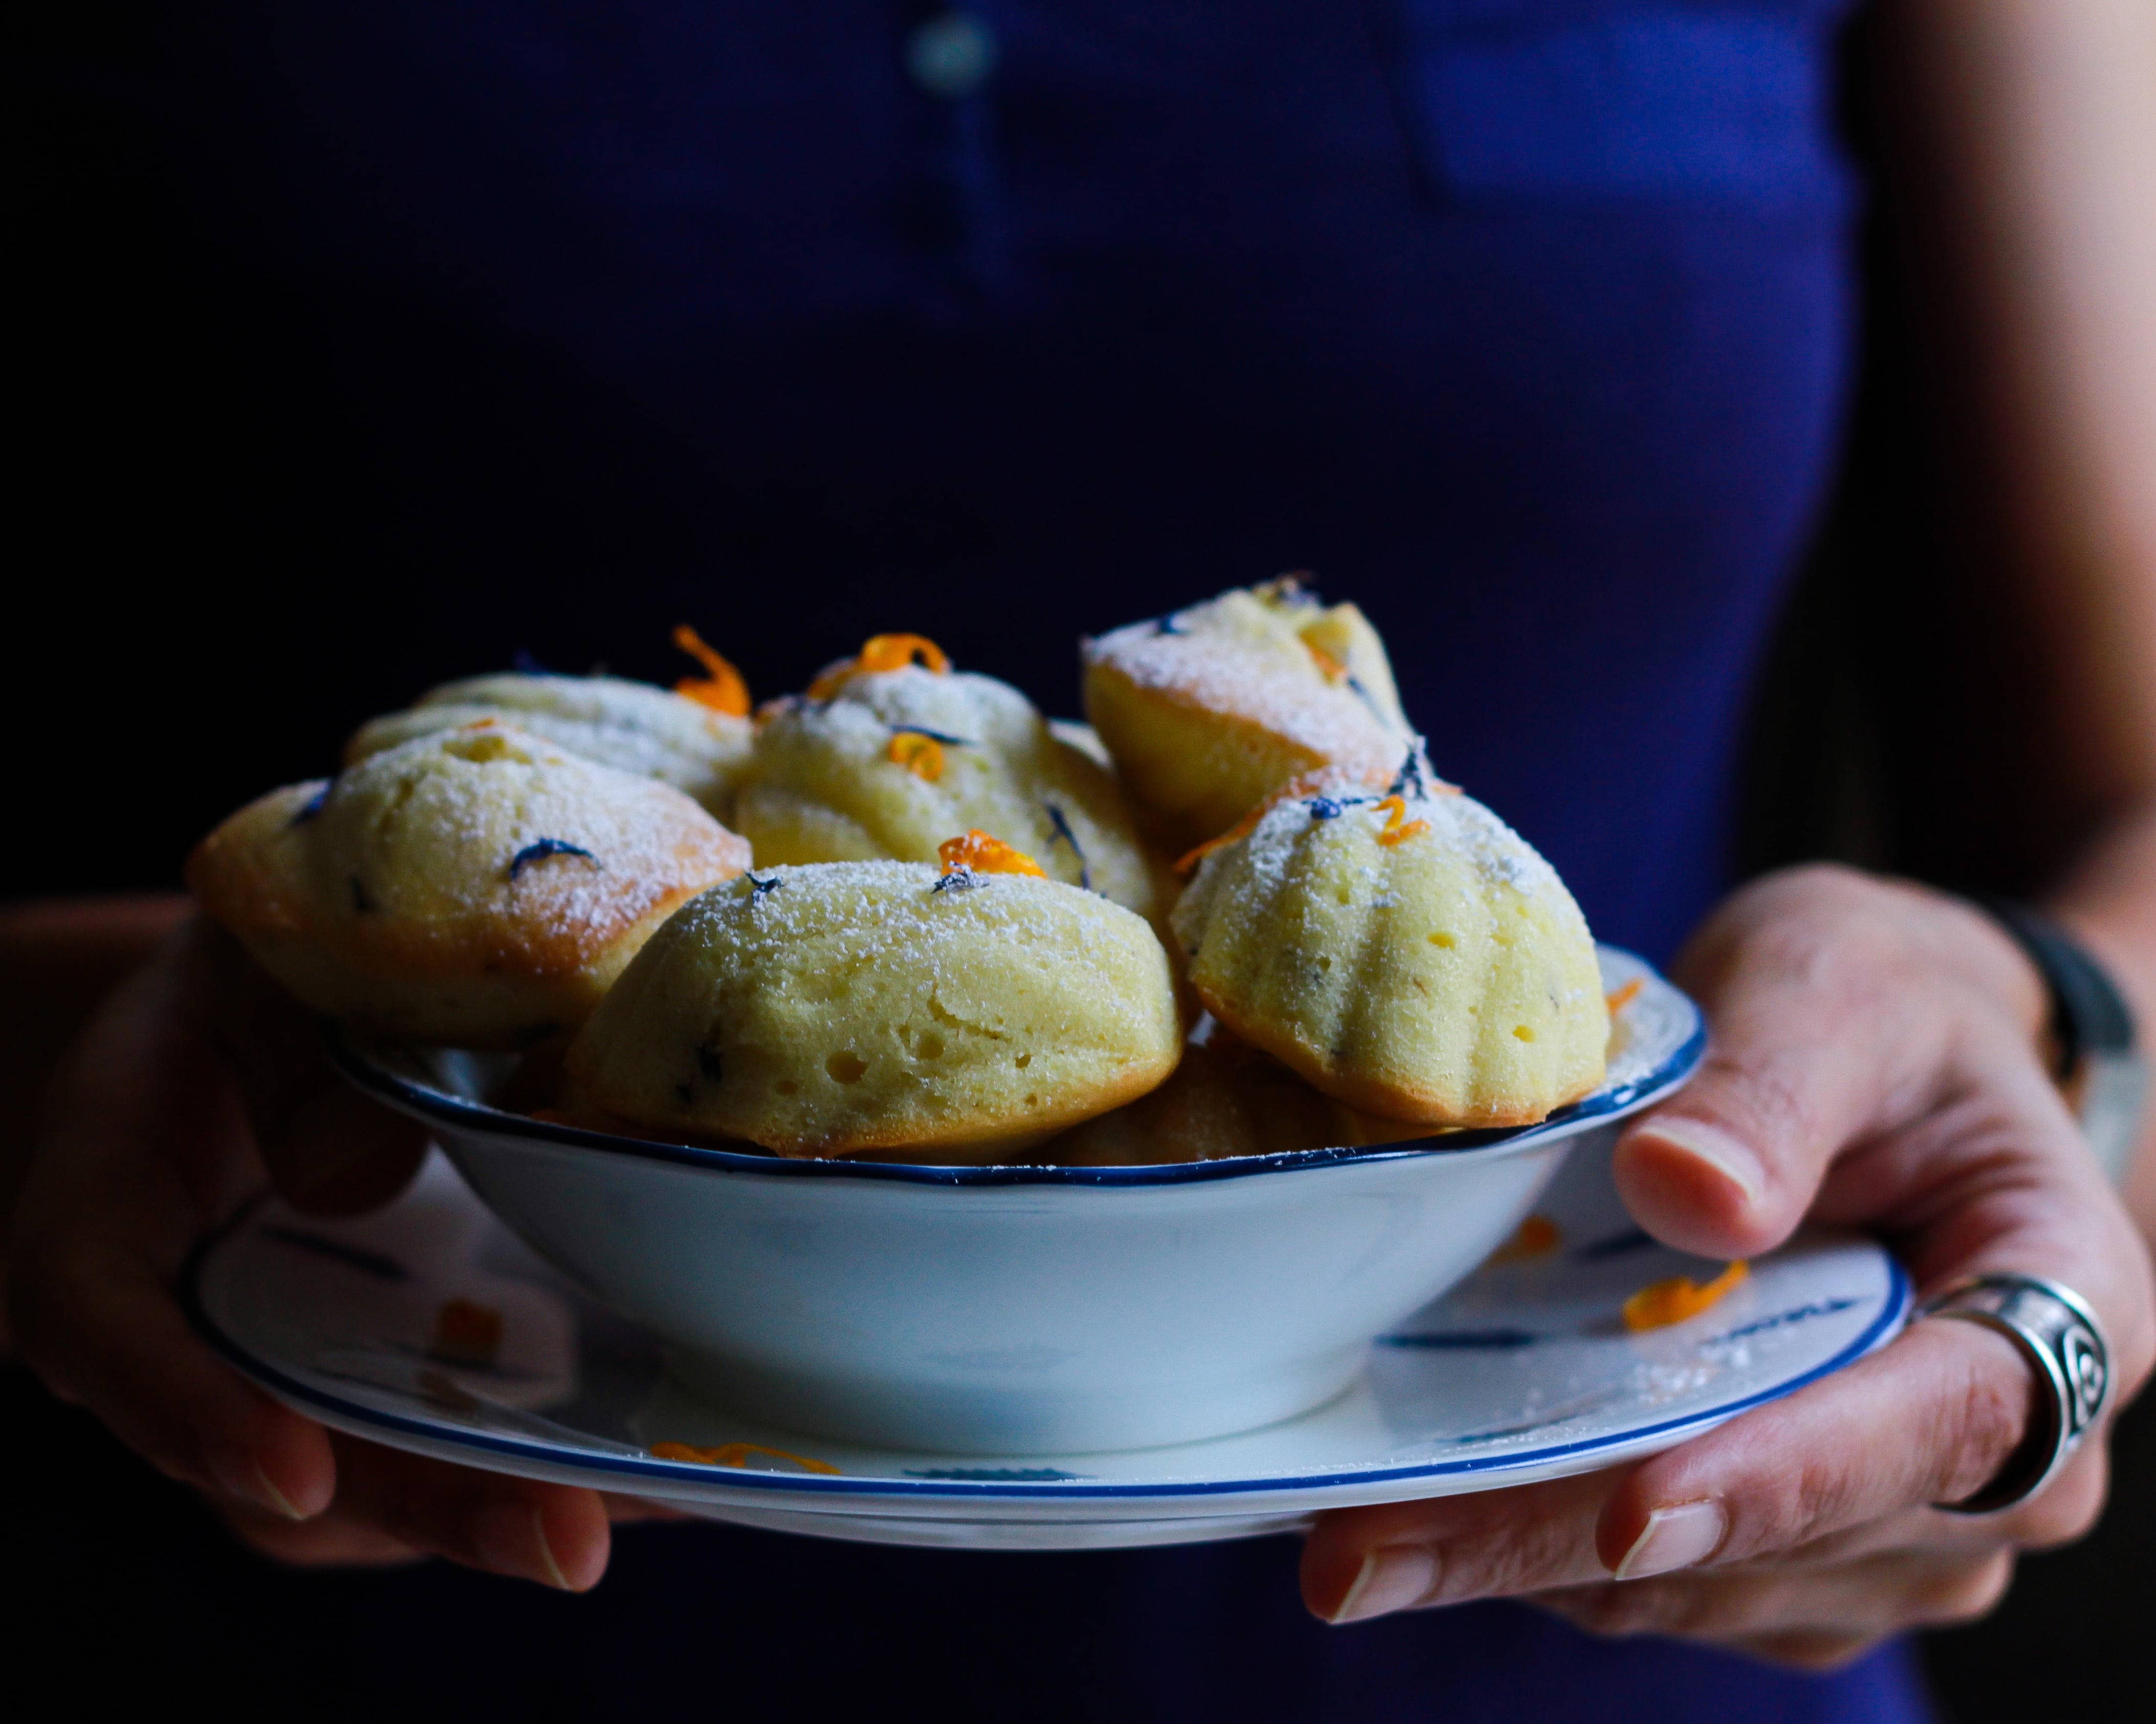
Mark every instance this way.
x=2059 y=1335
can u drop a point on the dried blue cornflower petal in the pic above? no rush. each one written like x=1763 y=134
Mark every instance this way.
x=1063 y=832
x=757 y=887
x=961 y=878
x=1172 y=624
x=1410 y=782
x=934 y=736
x=313 y=805
x=1325 y=808
x=543 y=848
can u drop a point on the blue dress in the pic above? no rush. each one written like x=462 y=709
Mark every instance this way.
x=1524 y=323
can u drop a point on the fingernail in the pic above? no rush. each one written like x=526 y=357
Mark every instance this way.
x=1391 y=1579
x=275 y=1499
x=1733 y=1159
x=512 y=1538
x=239 y=1473
x=1679 y=1536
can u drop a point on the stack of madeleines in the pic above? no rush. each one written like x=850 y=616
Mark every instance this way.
x=902 y=915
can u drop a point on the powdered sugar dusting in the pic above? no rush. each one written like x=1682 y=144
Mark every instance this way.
x=876 y=906
x=1232 y=657
x=493 y=829
x=1460 y=823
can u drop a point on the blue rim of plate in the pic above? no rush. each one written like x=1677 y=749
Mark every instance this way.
x=1899 y=1297
x=438 y=1107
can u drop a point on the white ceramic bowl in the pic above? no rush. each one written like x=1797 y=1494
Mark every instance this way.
x=1015 y=1310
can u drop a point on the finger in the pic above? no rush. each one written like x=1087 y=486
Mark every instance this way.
x=1819 y=1655
x=1833 y=1474
x=104 y=1332
x=330 y=1540
x=1869 y=1599
x=150 y=1147
x=1806 y=980
x=342 y=1154
x=620 y=1510
x=1358 y=1564
x=329 y=1150
x=1930 y=1419
x=523 y=1528
x=2064 y=1510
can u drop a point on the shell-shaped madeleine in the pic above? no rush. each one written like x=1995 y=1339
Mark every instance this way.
x=479 y=887
x=634 y=726
x=1411 y=956
x=896 y=761
x=882 y=1007
x=1209 y=710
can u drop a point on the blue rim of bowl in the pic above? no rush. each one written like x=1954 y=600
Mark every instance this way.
x=437 y=1107
x=1886 y=1323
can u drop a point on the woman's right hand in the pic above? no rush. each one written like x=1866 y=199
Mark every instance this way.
x=197 y=1085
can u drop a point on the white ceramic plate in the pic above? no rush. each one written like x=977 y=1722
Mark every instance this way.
x=1524 y=1371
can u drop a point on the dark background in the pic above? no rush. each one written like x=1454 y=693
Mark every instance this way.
x=211 y=534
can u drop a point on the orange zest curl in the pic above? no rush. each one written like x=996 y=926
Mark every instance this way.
x=1334 y=671
x=1398 y=828
x=1318 y=783
x=919 y=755
x=985 y=855
x=882 y=652
x=1662 y=1303
x=894 y=653
x=735 y=1454
x=1186 y=863
x=720 y=687
x=1625 y=995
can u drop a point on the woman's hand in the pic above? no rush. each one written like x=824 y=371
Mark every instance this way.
x=1875 y=1065
x=197 y=1084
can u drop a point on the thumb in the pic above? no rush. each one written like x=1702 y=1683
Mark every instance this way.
x=1836 y=1003
x=327 y=1148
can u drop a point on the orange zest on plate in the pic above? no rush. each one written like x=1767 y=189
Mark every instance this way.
x=919 y=755
x=984 y=854
x=1537 y=1237
x=1662 y=1303
x=1625 y=996
x=720 y=687
x=1398 y=828
x=735 y=1454
x=882 y=652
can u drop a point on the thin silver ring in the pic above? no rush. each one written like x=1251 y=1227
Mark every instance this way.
x=2056 y=1332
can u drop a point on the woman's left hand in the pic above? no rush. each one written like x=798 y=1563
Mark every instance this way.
x=1876 y=1064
